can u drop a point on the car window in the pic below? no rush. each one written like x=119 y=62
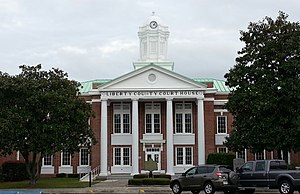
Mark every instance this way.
x=260 y=166
x=201 y=170
x=224 y=169
x=210 y=169
x=247 y=166
x=192 y=171
x=278 y=165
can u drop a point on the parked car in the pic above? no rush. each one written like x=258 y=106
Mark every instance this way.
x=268 y=173
x=209 y=178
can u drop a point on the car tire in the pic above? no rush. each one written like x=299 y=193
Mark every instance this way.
x=233 y=178
x=195 y=191
x=176 y=188
x=209 y=188
x=286 y=187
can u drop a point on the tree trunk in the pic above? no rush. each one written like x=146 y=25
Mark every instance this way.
x=33 y=166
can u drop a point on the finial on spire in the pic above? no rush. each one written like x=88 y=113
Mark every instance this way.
x=153 y=13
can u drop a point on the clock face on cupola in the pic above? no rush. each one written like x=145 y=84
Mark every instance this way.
x=153 y=24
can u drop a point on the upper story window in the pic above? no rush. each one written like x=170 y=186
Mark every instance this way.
x=183 y=117
x=152 y=117
x=121 y=118
x=222 y=124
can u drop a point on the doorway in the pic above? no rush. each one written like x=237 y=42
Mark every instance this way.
x=154 y=154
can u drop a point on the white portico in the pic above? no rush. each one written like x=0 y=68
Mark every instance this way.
x=151 y=112
x=151 y=86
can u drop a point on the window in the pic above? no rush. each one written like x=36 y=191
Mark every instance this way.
x=247 y=166
x=84 y=157
x=152 y=117
x=121 y=118
x=222 y=124
x=260 y=155
x=241 y=154
x=183 y=117
x=222 y=150
x=65 y=158
x=122 y=156
x=184 y=156
x=260 y=166
x=278 y=165
x=47 y=160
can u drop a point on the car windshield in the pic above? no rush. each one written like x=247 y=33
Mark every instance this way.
x=224 y=169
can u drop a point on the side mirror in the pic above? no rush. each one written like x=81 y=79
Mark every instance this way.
x=239 y=169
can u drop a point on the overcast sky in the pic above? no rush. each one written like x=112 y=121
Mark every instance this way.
x=93 y=39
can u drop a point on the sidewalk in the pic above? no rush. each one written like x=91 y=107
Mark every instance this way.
x=116 y=187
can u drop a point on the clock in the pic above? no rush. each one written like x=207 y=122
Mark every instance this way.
x=153 y=24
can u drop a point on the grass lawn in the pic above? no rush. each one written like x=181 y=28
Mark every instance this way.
x=45 y=183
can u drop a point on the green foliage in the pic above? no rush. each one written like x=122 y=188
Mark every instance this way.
x=14 y=171
x=220 y=158
x=265 y=82
x=41 y=113
x=140 y=176
x=167 y=176
x=149 y=181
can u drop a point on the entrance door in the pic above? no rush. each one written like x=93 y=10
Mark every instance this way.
x=154 y=154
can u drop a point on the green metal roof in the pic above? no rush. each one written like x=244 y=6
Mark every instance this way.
x=218 y=84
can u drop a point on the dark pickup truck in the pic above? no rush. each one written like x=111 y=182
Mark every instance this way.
x=269 y=173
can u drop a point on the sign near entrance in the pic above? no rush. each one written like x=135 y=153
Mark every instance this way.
x=152 y=93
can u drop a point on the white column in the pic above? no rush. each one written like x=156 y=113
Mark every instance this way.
x=170 y=148
x=201 y=134
x=135 y=137
x=103 y=151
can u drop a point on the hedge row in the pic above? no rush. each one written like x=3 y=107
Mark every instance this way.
x=14 y=171
x=149 y=181
x=141 y=176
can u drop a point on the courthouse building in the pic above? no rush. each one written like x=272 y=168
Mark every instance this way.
x=153 y=113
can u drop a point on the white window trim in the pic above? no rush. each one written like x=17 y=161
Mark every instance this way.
x=43 y=164
x=184 y=156
x=121 y=112
x=122 y=156
x=226 y=130
x=61 y=159
x=184 y=111
x=264 y=153
x=87 y=156
x=218 y=150
x=236 y=155
x=152 y=112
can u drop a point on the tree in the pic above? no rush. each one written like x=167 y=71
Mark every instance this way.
x=265 y=82
x=40 y=114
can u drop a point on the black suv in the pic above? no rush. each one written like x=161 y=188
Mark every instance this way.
x=209 y=178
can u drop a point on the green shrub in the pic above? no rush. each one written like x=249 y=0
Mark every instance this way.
x=167 y=176
x=149 y=181
x=221 y=158
x=73 y=175
x=136 y=181
x=61 y=175
x=14 y=171
x=156 y=181
x=140 y=176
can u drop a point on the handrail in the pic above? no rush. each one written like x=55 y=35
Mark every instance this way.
x=94 y=173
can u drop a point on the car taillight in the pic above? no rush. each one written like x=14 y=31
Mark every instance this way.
x=219 y=174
